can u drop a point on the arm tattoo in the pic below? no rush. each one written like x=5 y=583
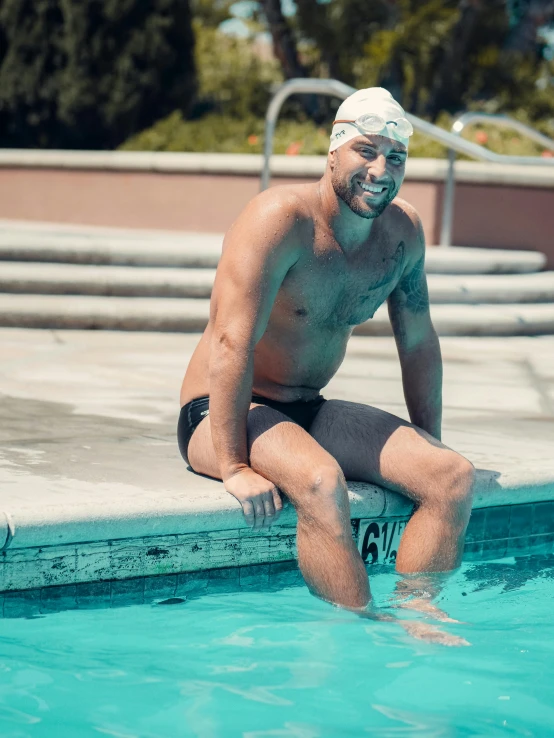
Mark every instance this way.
x=414 y=286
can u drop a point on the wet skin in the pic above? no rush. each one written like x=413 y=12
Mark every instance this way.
x=300 y=268
x=347 y=255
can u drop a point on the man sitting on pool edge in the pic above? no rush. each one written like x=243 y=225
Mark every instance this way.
x=301 y=266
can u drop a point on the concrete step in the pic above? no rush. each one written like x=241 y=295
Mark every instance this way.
x=475 y=289
x=88 y=279
x=166 y=314
x=193 y=250
x=91 y=279
x=464 y=260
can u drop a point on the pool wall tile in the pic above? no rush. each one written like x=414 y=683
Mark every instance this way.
x=476 y=527
x=282 y=547
x=192 y=583
x=127 y=592
x=284 y=574
x=541 y=544
x=518 y=546
x=223 y=552
x=160 y=587
x=543 y=517
x=174 y=559
x=521 y=520
x=23 y=604
x=195 y=552
x=163 y=555
x=39 y=567
x=223 y=580
x=497 y=522
x=22 y=569
x=93 y=594
x=254 y=577
x=495 y=548
x=54 y=599
x=473 y=550
x=93 y=562
x=253 y=550
x=128 y=558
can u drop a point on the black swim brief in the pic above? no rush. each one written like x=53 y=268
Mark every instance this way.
x=302 y=412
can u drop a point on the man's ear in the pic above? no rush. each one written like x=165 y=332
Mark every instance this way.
x=332 y=159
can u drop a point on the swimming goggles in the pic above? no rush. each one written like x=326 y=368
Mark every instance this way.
x=371 y=123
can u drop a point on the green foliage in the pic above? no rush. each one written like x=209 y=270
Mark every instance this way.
x=218 y=133
x=32 y=58
x=433 y=55
x=336 y=33
x=232 y=77
x=211 y=13
x=89 y=73
x=405 y=56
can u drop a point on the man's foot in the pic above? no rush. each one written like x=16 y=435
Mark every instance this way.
x=426 y=607
x=431 y=634
x=416 y=628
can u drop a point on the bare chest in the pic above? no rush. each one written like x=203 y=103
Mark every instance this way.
x=328 y=289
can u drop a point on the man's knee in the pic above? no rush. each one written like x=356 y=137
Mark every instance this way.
x=323 y=497
x=454 y=477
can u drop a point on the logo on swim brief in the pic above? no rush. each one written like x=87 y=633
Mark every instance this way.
x=204 y=412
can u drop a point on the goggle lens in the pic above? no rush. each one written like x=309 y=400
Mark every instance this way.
x=371 y=123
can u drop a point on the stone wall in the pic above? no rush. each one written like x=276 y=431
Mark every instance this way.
x=496 y=206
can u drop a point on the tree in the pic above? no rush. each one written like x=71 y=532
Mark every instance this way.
x=433 y=55
x=89 y=73
x=284 y=44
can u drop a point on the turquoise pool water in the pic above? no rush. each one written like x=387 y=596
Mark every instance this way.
x=285 y=664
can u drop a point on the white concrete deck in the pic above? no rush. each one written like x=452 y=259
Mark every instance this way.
x=88 y=450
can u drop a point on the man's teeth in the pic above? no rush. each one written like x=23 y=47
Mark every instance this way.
x=371 y=188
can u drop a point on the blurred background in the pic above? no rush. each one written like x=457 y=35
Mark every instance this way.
x=131 y=134
x=197 y=75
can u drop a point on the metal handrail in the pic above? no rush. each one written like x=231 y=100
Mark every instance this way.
x=330 y=87
x=501 y=121
x=451 y=140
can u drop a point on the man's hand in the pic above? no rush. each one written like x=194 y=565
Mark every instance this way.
x=260 y=498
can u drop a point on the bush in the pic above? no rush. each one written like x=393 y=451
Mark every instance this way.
x=219 y=133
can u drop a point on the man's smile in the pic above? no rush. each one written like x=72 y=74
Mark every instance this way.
x=372 y=190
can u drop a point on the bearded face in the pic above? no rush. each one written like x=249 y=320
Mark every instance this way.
x=367 y=172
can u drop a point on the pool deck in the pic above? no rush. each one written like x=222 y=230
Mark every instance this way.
x=92 y=486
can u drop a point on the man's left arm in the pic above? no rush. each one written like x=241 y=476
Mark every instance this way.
x=416 y=339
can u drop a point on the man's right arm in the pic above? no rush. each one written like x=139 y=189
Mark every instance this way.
x=259 y=250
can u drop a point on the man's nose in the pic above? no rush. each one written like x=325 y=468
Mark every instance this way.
x=378 y=167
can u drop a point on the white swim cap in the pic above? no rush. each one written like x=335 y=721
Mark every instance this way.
x=372 y=100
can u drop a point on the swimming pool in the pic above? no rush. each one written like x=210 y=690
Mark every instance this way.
x=282 y=663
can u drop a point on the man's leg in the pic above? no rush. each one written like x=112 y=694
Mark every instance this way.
x=288 y=456
x=371 y=445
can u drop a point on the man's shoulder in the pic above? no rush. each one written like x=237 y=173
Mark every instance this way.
x=274 y=220
x=404 y=215
x=284 y=201
x=405 y=225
